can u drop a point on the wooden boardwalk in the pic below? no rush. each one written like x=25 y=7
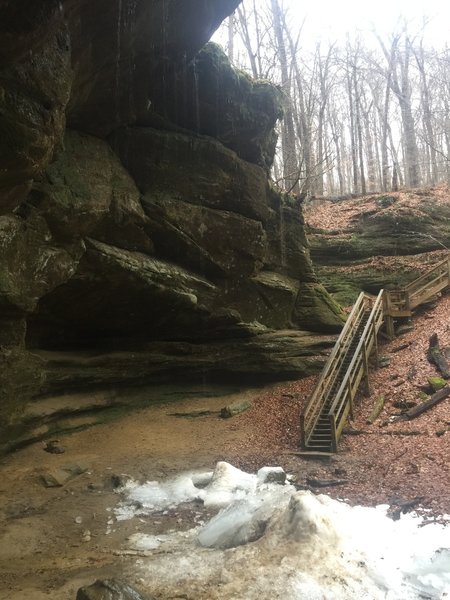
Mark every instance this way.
x=332 y=400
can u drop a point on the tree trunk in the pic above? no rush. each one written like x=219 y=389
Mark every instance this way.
x=246 y=39
x=352 y=132
x=230 y=27
x=290 y=166
x=359 y=131
x=427 y=115
x=398 y=77
x=412 y=413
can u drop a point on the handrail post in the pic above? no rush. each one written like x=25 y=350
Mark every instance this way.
x=350 y=396
x=366 y=370
x=302 y=431
x=334 y=440
x=388 y=319
x=375 y=341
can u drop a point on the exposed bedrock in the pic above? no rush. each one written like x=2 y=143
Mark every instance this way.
x=138 y=245
x=389 y=242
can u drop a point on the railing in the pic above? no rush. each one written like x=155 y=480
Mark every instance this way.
x=339 y=388
x=401 y=302
x=358 y=368
x=311 y=414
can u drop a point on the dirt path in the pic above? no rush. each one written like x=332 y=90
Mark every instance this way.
x=47 y=553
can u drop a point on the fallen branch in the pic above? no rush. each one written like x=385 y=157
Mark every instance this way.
x=364 y=432
x=436 y=356
x=414 y=412
x=376 y=410
x=401 y=347
x=404 y=507
x=326 y=482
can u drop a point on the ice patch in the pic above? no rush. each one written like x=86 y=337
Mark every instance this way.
x=270 y=541
x=141 y=541
x=228 y=484
x=244 y=520
x=214 y=489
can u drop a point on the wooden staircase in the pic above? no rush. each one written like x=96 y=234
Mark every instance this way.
x=332 y=400
x=402 y=302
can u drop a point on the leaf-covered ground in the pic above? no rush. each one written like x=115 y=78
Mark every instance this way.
x=380 y=465
x=388 y=461
x=342 y=215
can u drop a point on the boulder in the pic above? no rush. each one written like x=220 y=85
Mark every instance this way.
x=235 y=408
x=109 y=589
x=211 y=241
x=315 y=309
x=195 y=169
x=32 y=263
x=124 y=54
x=210 y=97
x=288 y=244
x=87 y=192
x=119 y=296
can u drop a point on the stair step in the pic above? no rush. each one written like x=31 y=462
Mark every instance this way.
x=317 y=445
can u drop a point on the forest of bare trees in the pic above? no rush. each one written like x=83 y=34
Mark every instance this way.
x=361 y=115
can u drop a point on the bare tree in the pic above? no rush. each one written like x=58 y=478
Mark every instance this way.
x=355 y=117
x=398 y=59
x=290 y=164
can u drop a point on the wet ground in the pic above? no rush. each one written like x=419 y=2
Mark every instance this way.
x=54 y=540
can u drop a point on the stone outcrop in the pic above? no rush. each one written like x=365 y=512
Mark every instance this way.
x=109 y=589
x=210 y=97
x=142 y=243
x=386 y=244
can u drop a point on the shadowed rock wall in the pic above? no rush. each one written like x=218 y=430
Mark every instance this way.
x=140 y=239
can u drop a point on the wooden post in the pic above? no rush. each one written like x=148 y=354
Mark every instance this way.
x=408 y=302
x=366 y=371
x=375 y=342
x=350 y=396
x=388 y=320
x=302 y=430
x=333 y=433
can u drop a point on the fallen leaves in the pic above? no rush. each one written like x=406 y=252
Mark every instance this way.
x=392 y=461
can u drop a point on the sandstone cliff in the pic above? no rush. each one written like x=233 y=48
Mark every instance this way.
x=141 y=241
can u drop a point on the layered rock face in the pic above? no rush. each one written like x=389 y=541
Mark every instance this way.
x=140 y=239
x=379 y=241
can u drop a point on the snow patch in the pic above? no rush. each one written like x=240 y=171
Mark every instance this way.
x=270 y=541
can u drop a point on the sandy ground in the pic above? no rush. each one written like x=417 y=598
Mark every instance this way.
x=54 y=540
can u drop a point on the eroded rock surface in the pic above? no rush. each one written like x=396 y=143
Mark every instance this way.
x=379 y=241
x=143 y=243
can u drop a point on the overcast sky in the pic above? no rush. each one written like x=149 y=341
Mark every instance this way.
x=331 y=19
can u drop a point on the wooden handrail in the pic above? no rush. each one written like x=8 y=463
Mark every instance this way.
x=347 y=390
x=388 y=304
x=443 y=266
x=331 y=368
x=405 y=299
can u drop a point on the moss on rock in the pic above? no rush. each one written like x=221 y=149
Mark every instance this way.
x=316 y=310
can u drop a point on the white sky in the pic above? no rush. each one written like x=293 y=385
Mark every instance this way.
x=332 y=19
